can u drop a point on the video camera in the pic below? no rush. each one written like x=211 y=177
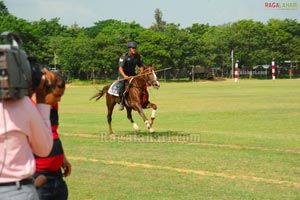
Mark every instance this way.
x=19 y=74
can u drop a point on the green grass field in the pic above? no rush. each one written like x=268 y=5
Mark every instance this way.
x=213 y=140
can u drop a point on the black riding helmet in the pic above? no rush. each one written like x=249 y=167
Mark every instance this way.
x=132 y=45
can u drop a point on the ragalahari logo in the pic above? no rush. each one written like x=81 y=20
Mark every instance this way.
x=281 y=5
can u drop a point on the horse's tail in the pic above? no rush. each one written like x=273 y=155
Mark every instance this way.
x=100 y=93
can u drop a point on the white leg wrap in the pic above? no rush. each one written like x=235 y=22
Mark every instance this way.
x=151 y=130
x=148 y=123
x=135 y=126
x=153 y=114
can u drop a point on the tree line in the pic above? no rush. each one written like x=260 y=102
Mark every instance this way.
x=93 y=52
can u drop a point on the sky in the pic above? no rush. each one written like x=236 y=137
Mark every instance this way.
x=184 y=13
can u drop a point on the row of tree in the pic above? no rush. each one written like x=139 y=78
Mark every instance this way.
x=94 y=51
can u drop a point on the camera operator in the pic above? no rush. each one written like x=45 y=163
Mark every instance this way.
x=24 y=129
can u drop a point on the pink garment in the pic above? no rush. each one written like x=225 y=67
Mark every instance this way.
x=24 y=129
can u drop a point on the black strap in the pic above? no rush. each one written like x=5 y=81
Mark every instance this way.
x=26 y=181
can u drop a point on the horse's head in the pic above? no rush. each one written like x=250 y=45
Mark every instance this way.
x=150 y=76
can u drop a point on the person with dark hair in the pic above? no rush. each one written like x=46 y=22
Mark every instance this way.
x=127 y=68
x=24 y=131
x=50 y=170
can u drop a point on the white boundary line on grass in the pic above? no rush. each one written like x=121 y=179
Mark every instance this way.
x=190 y=171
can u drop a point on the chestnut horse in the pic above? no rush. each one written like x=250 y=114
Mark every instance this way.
x=136 y=98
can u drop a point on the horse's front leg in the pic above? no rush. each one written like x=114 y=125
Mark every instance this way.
x=153 y=114
x=142 y=114
x=129 y=117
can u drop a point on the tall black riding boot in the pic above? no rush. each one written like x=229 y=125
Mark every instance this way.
x=121 y=101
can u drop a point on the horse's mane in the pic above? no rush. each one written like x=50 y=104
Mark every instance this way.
x=146 y=69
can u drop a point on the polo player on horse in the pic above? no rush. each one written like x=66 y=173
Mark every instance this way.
x=127 y=69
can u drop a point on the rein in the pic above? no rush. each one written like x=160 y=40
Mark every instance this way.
x=147 y=73
x=140 y=75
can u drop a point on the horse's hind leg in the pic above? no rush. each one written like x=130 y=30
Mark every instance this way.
x=129 y=117
x=110 y=108
x=109 y=119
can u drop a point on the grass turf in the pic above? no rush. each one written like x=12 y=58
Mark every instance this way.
x=213 y=140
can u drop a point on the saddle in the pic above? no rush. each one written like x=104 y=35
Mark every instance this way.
x=114 y=90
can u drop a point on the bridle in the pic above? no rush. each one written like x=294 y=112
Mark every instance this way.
x=148 y=80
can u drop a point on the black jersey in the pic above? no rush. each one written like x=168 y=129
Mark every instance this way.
x=129 y=62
